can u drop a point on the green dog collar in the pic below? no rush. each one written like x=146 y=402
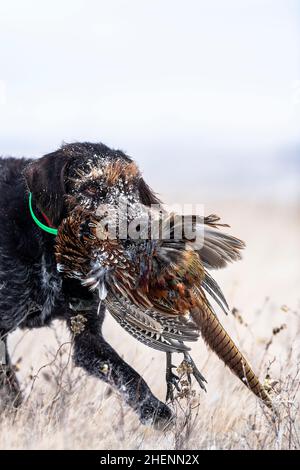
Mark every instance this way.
x=44 y=227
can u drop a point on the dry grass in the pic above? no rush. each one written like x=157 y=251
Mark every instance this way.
x=66 y=409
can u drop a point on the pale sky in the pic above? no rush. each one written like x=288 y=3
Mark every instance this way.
x=176 y=84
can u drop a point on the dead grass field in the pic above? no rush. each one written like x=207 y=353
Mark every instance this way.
x=65 y=409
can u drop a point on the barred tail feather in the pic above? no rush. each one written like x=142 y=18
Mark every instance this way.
x=220 y=342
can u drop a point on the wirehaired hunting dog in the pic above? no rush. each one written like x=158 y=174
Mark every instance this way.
x=155 y=289
x=32 y=291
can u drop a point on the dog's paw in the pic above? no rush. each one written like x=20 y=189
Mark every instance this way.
x=157 y=414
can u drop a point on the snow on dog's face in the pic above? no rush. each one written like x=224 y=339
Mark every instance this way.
x=101 y=181
x=84 y=174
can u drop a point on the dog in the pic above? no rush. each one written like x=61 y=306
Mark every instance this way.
x=39 y=193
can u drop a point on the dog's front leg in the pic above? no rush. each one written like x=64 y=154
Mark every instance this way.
x=99 y=359
x=10 y=393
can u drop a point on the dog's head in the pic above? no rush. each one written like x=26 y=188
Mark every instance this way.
x=86 y=174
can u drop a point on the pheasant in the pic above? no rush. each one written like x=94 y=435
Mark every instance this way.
x=156 y=288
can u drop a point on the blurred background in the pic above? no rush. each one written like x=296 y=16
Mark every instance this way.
x=205 y=95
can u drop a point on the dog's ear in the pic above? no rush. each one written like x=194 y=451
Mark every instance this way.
x=45 y=180
x=147 y=195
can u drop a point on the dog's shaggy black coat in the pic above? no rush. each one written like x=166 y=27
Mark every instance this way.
x=33 y=293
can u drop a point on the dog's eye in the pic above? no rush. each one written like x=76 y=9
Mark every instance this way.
x=90 y=191
x=93 y=190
